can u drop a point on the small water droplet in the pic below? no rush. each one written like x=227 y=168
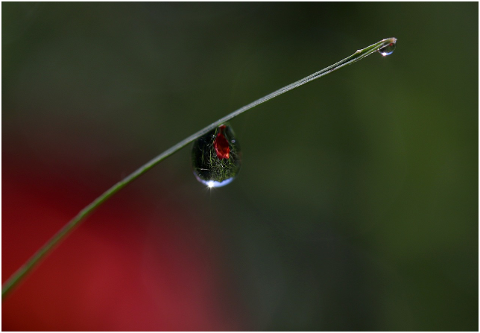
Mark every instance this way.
x=387 y=50
x=216 y=157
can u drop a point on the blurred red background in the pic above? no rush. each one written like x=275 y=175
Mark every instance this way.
x=136 y=264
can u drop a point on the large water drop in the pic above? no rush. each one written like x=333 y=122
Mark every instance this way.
x=216 y=157
x=387 y=50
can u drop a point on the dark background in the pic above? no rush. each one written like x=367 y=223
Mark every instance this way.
x=356 y=206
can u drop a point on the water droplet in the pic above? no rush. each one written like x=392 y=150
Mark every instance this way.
x=387 y=50
x=216 y=157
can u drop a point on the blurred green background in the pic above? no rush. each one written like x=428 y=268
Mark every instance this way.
x=357 y=203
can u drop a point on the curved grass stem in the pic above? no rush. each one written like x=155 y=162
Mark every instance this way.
x=23 y=271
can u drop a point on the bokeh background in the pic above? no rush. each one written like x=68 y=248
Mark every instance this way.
x=356 y=206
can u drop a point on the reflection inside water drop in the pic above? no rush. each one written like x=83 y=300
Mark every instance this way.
x=387 y=50
x=216 y=157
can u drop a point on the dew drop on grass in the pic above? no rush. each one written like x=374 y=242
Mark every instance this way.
x=387 y=50
x=216 y=157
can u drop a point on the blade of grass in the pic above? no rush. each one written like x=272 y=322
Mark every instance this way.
x=23 y=271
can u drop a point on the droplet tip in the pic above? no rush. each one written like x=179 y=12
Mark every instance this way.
x=210 y=184
x=389 y=46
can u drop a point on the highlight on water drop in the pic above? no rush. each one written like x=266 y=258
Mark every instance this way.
x=216 y=157
x=387 y=50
